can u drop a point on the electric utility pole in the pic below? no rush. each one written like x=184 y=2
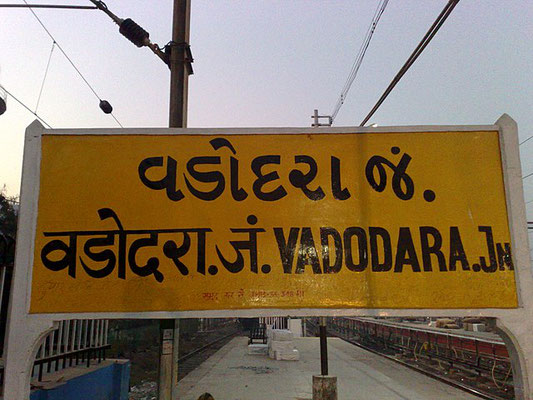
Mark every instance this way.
x=177 y=55
x=180 y=58
x=180 y=64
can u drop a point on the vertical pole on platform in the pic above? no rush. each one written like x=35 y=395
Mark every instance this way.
x=179 y=79
x=323 y=347
x=324 y=386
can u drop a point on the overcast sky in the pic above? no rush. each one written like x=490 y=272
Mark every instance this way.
x=270 y=63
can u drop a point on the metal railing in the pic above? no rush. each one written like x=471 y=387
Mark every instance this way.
x=71 y=343
x=7 y=254
x=275 y=322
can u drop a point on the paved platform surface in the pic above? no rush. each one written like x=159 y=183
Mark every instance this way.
x=232 y=374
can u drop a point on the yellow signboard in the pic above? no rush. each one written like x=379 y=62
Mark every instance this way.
x=131 y=223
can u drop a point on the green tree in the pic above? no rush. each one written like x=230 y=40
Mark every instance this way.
x=8 y=213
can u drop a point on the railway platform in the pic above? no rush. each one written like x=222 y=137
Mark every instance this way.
x=232 y=374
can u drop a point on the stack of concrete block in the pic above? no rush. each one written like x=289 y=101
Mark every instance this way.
x=269 y=329
x=295 y=325
x=281 y=345
x=282 y=335
x=474 y=327
x=258 y=348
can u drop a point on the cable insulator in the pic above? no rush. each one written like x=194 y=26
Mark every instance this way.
x=106 y=107
x=133 y=32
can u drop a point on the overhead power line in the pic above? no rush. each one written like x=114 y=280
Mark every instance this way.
x=359 y=59
x=412 y=58
x=66 y=6
x=25 y=106
x=528 y=175
x=45 y=75
x=140 y=38
x=107 y=111
x=524 y=141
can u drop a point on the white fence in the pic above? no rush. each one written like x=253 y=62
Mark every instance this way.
x=73 y=341
x=275 y=322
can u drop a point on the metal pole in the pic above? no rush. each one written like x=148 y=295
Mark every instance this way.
x=169 y=328
x=179 y=82
x=323 y=347
x=322 y=323
x=315 y=119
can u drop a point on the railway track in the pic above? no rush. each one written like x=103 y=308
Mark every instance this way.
x=192 y=360
x=475 y=375
x=195 y=355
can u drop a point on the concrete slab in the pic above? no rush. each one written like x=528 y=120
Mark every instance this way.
x=232 y=374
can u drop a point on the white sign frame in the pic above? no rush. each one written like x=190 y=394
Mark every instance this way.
x=25 y=331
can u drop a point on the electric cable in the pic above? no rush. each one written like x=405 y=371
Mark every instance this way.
x=45 y=75
x=70 y=61
x=25 y=106
x=504 y=382
x=524 y=141
x=140 y=37
x=527 y=176
x=58 y=6
x=359 y=59
x=445 y=13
